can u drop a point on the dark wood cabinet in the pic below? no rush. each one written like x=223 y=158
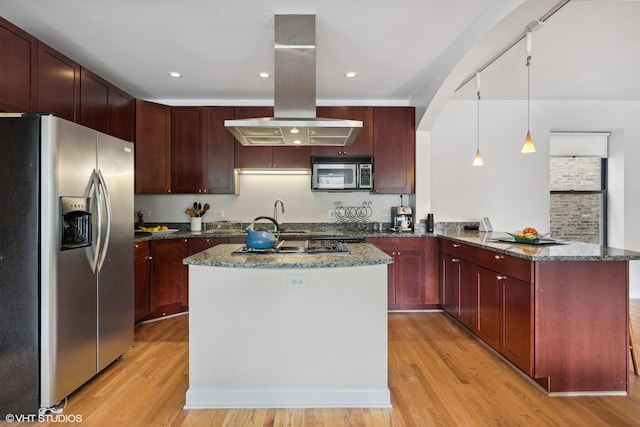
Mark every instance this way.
x=517 y=320
x=489 y=306
x=142 y=280
x=58 y=84
x=169 y=277
x=187 y=150
x=153 y=148
x=94 y=101
x=18 y=51
x=267 y=157
x=505 y=306
x=122 y=112
x=199 y=244
x=202 y=151
x=39 y=78
x=394 y=150
x=220 y=176
x=363 y=145
x=412 y=277
x=458 y=296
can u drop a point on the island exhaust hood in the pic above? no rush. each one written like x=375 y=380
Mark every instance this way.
x=294 y=121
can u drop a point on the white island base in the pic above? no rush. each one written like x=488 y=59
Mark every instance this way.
x=287 y=337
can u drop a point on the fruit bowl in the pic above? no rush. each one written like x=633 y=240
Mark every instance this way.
x=525 y=238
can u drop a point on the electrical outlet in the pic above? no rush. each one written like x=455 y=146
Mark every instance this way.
x=297 y=281
x=218 y=214
x=148 y=214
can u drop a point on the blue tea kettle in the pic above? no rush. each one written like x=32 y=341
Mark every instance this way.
x=261 y=239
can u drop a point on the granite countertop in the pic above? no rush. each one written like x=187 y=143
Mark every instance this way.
x=220 y=256
x=562 y=251
x=309 y=234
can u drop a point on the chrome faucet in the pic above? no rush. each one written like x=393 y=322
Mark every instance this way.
x=275 y=208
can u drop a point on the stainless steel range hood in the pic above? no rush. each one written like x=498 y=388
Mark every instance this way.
x=294 y=121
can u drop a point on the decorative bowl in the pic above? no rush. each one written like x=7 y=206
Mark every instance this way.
x=523 y=239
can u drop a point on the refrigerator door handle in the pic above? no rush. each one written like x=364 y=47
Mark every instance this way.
x=94 y=191
x=107 y=202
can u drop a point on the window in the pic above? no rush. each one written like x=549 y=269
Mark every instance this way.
x=578 y=185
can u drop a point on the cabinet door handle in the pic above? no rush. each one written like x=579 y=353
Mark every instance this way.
x=456 y=245
x=455 y=260
x=149 y=257
x=501 y=277
x=498 y=256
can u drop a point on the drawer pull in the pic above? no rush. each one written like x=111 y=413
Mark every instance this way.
x=456 y=245
x=455 y=260
x=498 y=256
x=501 y=277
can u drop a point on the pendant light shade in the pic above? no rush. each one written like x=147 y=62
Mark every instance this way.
x=528 y=146
x=477 y=160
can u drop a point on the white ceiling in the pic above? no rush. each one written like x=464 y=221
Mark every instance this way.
x=405 y=51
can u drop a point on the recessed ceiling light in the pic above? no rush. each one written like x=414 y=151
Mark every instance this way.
x=350 y=74
x=175 y=74
x=264 y=75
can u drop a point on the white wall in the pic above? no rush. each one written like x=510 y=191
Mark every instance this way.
x=257 y=196
x=512 y=188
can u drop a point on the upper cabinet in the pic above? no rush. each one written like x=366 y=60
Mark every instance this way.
x=17 y=74
x=104 y=107
x=363 y=145
x=394 y=150
x=122 y=114
x=219 y=173
x=153 y=148
x=187 y=159
x=184 y=150
x=39 y=78
x=267 y=157
x=202 y=151
x=94 y=101
x=58 y=84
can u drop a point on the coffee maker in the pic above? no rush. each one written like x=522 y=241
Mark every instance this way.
x=402 y=217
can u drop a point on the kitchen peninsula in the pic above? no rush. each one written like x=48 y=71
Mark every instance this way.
x=556 y=311
x=274 y=330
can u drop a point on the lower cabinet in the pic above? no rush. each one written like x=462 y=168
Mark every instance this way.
x=142 y=282
x=492 y=294
x=505 y=306
x=458 y=294
x=161 y=279
x=169 y=277
x=413 y=276
x=199 y=244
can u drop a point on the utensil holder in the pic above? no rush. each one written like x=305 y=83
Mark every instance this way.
x=196 y=223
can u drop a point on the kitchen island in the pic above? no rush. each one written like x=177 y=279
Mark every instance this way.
x=280 y=331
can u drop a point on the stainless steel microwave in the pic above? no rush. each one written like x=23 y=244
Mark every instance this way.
x=342 y=173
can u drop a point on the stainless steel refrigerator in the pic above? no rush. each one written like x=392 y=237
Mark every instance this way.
x=66 y=258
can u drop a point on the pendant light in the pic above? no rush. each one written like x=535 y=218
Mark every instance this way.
x=528 y=146
x=477 y=160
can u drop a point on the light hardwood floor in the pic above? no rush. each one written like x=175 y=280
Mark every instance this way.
x=439 y=375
